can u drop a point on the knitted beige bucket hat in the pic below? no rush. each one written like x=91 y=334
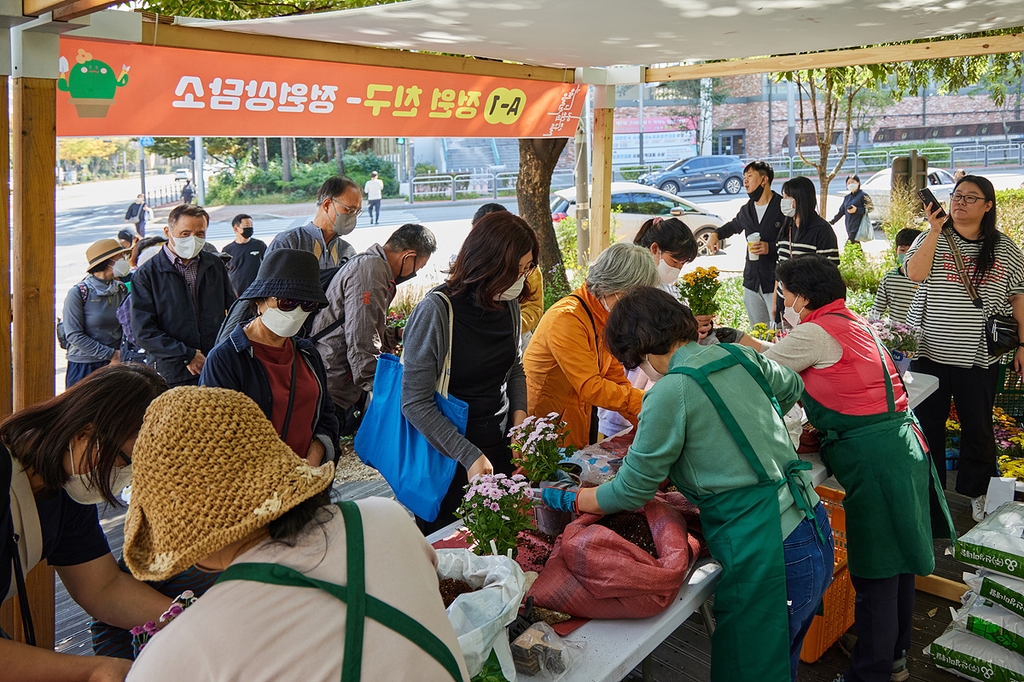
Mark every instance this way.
x=207 y=470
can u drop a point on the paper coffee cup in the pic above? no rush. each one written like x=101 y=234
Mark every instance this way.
x=753 y=238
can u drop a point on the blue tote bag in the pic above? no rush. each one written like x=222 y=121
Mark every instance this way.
x=417 y=472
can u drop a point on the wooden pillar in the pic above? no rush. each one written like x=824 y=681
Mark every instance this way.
x=7 y=615
x=34 y=274
x=600 y=200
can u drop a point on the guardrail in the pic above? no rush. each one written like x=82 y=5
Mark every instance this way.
x=162 y=196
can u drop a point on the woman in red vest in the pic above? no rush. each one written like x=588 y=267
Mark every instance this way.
x=873 y=445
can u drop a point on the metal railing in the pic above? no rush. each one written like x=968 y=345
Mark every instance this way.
x=164 y=195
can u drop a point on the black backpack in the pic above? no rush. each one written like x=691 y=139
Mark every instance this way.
x=62 y=337
x=241 y=311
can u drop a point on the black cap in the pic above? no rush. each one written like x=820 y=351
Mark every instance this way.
x=288 y=273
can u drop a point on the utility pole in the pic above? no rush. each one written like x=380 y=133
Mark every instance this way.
x=200 y=177
x=582 y=197
x=641 y=87
x=791 y=120
x=142 y=169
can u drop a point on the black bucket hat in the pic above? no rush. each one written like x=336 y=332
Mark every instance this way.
x=288 y=273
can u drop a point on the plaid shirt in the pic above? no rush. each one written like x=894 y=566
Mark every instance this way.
x=189 y=270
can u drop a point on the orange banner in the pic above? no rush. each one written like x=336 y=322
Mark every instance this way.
x=112 y=89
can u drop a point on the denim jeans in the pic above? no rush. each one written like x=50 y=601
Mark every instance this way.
x=80 y=370
x=808 y=572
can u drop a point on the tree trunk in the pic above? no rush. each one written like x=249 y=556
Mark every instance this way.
x=287 y=151
x=329 y=146
x=261 y=144
x=537 y=159
x=340 y=145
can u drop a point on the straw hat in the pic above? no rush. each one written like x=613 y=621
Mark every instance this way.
x=207 y=470
x=104 y=250
x=288 y=273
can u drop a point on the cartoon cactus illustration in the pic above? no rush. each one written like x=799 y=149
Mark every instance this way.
x=92 y=84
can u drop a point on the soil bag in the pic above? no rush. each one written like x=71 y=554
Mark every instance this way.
x=479 y=618
x=987 y=620
x=999 y=589
x=594 y=572
x=974 y=658
x=997 y=543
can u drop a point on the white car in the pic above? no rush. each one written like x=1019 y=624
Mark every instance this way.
x=634 y=204
x=879 y=187
x=182 y=174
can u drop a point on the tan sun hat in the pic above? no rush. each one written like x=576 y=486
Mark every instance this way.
x=207 y=470
x=104 y=250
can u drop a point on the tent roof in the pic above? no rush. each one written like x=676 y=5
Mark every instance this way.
x=573 y=33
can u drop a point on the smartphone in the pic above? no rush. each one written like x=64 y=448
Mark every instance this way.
x=927 y=198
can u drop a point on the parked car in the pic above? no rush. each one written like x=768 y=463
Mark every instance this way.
x=711 y=173
x=182 y=174
x=879 y=188
x=634 y=204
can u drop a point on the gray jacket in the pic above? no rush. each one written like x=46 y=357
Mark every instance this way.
x=308 y=237
x=91 y=325
x=425 y=345
x=358 y=299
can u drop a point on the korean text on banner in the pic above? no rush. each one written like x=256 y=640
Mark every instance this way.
x=130 y=89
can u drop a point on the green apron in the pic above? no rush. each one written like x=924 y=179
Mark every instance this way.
x=751 y=638
x=888 y=477
x=359 y=604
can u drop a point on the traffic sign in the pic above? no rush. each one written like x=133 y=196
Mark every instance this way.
x=146 y=141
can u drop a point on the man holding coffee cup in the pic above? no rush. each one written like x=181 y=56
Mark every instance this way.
x=760 y=220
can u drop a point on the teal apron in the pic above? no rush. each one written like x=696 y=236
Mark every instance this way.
x=888 y=477
x=359 y=604
x=741 y=527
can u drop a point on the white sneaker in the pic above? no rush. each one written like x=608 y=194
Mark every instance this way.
x=978 y=508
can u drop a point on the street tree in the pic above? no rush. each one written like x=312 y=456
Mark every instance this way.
x=537 y=160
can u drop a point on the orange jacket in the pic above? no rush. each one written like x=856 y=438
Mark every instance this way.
x=533 y=308
x=569 y=371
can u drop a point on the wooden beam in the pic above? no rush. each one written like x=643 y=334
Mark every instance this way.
x=600 y=200
x=34 y=8
x=940 y=587
x=80 y=8
x=6 y=368
x=272 y=46
x=965 y=47
x=33 y=247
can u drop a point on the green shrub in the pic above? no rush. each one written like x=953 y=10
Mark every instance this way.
x=861 y=274
x=731 y=311
x=860 y=302
x=1010 y=213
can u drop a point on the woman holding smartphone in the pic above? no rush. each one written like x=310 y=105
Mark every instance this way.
x=953 y=344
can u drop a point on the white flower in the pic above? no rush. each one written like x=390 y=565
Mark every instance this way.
x=162 y=562
x=271 y=505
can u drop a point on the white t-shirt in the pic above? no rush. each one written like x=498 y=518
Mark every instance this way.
x=760 y=210
x=373 y=189
x=242 y=630
x=953 y=329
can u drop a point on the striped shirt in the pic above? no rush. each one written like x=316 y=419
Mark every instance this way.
x=188 y=269
x=895 y=294
x=953 y=329
x=817 y=238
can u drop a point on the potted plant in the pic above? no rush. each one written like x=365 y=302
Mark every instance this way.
x=494 y=510
x=698 y=289
x=901 y=340
x=538 y=442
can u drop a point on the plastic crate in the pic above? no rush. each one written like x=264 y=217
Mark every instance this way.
x=1010 y=389
x=826 y=630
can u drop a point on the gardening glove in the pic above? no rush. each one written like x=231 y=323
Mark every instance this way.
x=560 y=496
x=728 y=335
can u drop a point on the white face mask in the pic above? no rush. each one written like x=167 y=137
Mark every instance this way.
x=187 y=247
x=513 y=291
x=667 y=273
x=284 y=324
x=788 y=207
x=791 y=316
x=122 y=267
x=80 y=489
x=648 y=369
x=852 y=187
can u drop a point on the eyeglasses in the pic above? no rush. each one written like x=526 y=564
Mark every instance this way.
x=966 y=198
x=289 y=304
x=348 y=209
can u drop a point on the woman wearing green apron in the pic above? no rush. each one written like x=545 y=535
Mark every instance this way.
x=871 y=441
x=713 y=426
x=308 y=590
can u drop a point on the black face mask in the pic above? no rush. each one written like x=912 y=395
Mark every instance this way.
x=246 y=232
x=756 y=194
x=405 y=278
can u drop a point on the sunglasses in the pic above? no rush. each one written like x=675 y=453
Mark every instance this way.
x=289 y=304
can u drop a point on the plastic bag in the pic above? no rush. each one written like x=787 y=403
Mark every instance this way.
x=542 y=654
x=1000 y=589
x=794 y=420
x=997 y=543
x=989 y=621
x=480 y=618
x=974 y=658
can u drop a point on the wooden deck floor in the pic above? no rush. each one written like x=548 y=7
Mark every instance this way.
x=683 y=657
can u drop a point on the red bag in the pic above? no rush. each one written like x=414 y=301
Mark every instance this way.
x=593 y=572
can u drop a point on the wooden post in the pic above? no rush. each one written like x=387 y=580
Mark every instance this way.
x=34 y=274
x=600 y=201
x=6 y=378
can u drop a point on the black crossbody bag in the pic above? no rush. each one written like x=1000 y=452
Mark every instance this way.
x=1000 y=330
